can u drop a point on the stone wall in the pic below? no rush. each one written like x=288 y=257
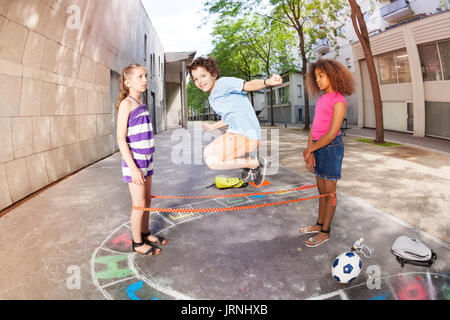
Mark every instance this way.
x=56 y=104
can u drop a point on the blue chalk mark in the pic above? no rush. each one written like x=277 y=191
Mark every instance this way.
x=381 y=297
x=133 y=288
x=258 y=197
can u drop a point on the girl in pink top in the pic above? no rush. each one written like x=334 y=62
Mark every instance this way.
x=325 y=150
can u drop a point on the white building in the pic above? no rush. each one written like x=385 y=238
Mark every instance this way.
x=287 y=99
x=410 y=41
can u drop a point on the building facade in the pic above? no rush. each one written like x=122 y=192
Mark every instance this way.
x=410 y=41
x=60 y=64
x=287 y=100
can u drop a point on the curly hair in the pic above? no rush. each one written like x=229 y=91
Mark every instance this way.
x=210 y=64
x=341 y=78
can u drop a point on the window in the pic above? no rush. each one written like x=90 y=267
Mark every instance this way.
x=283 y=93
x=348 y=63
x=273 y=97
x=435 y=61
x=401 y=57
x=429 y=62
x=145 y=47
x=153 y=65
x=444 y=52
x=386 y=68
x=300 y=91
x=393 y=67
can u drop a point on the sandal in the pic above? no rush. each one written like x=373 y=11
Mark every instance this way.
x=316 y=243
x=149 y=252
x=159 y=242
x=305 y=229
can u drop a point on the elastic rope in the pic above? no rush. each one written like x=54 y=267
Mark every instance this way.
x=235 y=195
x=205 y=210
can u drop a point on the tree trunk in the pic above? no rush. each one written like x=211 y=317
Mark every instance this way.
x=304 y=71
x=271 y=106
x=363 y=36
x=252 y=99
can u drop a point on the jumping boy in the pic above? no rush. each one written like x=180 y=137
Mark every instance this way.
x=228 y=99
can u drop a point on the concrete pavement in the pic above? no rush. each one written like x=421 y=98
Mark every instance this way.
x=80 y=226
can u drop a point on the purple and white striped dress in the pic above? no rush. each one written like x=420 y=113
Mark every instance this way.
x=140 y=141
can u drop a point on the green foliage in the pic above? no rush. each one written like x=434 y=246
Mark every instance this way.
x=196 y=98
x=311 y=19
x=234 y=57
x=385 y=144
x=246 y=46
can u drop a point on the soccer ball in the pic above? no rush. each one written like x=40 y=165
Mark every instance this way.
x=346 y=267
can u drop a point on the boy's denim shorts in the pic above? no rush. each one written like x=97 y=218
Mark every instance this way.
x=329 y=160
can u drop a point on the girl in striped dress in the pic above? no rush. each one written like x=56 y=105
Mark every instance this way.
x=136 y=144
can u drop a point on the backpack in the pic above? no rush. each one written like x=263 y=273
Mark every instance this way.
x=228 y=183
x=412 y=251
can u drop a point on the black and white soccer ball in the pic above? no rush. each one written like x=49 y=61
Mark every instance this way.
x=346 y=267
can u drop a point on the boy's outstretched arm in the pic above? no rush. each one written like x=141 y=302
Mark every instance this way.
x=259 y=84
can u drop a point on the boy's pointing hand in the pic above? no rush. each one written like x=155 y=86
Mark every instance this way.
x=275 y=80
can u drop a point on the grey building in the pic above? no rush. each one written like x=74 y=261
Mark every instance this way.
x=60 y=63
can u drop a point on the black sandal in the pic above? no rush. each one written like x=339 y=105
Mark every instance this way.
x=159 y=242
x=303 y=230
x=149 y=252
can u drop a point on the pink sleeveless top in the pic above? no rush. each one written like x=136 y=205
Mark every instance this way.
x=323 y=113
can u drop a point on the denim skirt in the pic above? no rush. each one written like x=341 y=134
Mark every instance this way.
x=329 y=160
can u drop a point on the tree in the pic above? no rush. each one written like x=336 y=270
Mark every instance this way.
x=312 y=18
x=258 y=41
x=270 y=41
x=318 y=20
x=196 y=98
x=235 y=58
x=361 y=32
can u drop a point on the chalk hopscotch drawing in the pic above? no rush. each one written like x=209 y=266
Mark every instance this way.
x=403 y=286
x=116 y=277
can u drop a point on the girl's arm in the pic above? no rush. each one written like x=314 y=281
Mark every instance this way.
x=122 y=130
x=258 y=84
x=336 y=123
x=310 y=140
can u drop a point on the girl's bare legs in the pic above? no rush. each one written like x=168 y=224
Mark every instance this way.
x=146 y=217
x=227 y=152
x=138 y=221
x=322 y=206
x=326 y=209
x=148 y=202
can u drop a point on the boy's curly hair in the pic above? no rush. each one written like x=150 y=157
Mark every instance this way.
x=340 y=77
x=210 y=64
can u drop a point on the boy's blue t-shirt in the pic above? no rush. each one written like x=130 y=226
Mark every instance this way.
x=231 y=103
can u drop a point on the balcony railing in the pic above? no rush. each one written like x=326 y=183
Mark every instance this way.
x=395 y=11
x=321 y=45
